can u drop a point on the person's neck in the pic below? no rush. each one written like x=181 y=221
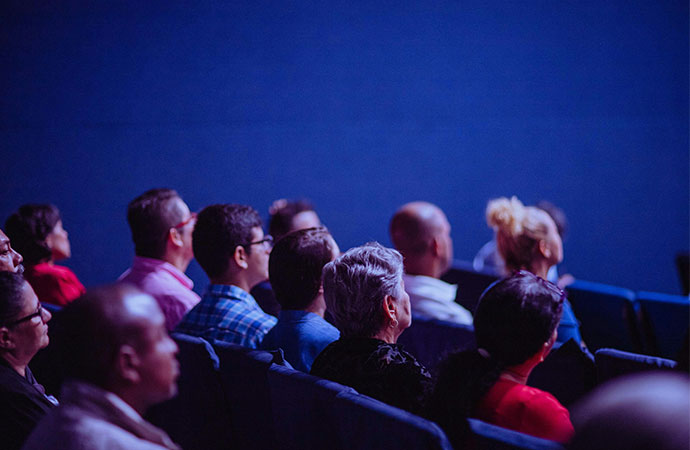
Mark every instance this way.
x=179 y=261
x=387 y=335
x=17 y=364
x=233 y=280
x=519 y=373
x=318 y=306
x=540 y=269
x=427 y=267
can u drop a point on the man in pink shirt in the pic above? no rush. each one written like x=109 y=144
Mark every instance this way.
x=162 y=225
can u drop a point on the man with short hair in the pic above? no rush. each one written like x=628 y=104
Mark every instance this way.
x=118 y=361
x=10 y=260
x=230 y=246
x=294 y=269
x=421 y=232
x=162 y=225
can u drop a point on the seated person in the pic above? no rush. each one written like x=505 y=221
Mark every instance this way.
x=23 y=332
x=10 y=260
x=527 y=239
x=294 y=268
x=119 y=361
x=162 y=225
x=365 y=293
x=230 y=246
x=37 y=233
x=285 y=217
x=515 y=328
x=421 y=232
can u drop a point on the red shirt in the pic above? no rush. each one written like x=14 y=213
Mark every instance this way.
x=528 y=410
x=54 y=284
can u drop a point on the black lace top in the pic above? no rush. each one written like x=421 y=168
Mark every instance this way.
x=377 y=369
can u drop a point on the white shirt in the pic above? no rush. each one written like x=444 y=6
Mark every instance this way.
x=435 y=299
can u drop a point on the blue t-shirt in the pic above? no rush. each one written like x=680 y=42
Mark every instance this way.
x=302 y=336
x=569 y=328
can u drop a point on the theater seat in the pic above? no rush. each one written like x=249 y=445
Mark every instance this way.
x=607 y=315
x=492 y=437
x=471 y=283
x=429 y=340
x=198 y=417
x=664 y=321
x=613 y=363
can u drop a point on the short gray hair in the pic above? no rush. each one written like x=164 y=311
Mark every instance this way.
x=355 y=285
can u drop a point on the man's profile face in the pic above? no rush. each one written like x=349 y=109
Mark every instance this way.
x=443 y=234
x=258 y=258
x=10 y=260
x=158 y=368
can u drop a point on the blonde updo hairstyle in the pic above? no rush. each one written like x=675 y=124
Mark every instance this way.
x=519 y=229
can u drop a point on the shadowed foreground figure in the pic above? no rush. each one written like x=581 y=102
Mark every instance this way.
x=119 y=361
x=515 y=328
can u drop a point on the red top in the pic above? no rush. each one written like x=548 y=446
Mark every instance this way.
x=528 y=410
x=54 y=284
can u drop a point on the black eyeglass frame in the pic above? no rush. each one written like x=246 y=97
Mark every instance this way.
x=38 y=313
x=268 y=239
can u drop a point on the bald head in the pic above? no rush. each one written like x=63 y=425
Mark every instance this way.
x=421 y=232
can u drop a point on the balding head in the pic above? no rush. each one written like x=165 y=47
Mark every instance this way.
x=115 y=337
x=421 y=232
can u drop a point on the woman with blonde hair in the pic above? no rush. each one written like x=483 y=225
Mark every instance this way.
x=527 y=239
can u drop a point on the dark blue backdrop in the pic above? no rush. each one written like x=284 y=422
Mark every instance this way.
x=360 y=106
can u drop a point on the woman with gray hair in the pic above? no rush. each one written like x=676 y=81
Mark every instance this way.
x=365 y=294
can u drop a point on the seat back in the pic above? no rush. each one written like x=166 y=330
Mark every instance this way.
x=198 y=417
x=613 y=363
x=607 y=315
x=302 y=407
x=492 y=437
x=664 y=321
x=244 y=373
x=683 y=266
x=429 y=340
x=471 y=283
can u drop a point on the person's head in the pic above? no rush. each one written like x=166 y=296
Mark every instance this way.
x=421 y=232
x=525 y=236
x=10 y=259
x=229 y=242
x=558 y=216
x=287 y=216
x=23 y=322
x=517 y=317
x=37 y=233
x=115 y=337
x=161 y=226
x=296 y=264
x=364 y=292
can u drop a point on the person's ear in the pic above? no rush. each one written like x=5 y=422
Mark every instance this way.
x=175 y=237
x=548 y=345
x=6 y=341
x=240 y=257
x=435 y=246
x=389 y=307
x=127 y=364
x=544 y=248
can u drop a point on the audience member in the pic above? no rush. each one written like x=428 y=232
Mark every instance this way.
x=10 y=259
x=639 y=412
x=230 y=246
x=119 y=361
x=162 y=227
x=285 y=217
x=527 y=238
x=294 y=268
x=23 y=332
x=37 y=232
x=365 y=293
x=421 y=232
x=515 y=327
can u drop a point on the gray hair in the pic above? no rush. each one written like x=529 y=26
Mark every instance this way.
x=355 y=285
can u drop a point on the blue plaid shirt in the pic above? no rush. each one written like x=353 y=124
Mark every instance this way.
x=229 y=314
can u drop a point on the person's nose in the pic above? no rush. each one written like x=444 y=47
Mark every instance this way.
x=16 y=257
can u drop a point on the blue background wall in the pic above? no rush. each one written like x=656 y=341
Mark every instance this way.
x=360 y=106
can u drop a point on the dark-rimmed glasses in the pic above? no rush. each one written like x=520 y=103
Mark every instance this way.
x=267 y=241
x=38 y=313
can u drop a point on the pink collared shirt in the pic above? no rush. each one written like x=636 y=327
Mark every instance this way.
x=171 y=288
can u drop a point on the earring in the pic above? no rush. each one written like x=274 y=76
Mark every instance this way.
x=394 y=323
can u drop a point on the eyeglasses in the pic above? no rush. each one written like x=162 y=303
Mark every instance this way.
x=192 y=216
x=38 y=313
x=267 y=241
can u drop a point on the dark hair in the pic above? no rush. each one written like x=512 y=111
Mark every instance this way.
x=281 y=214
x=218 y=231
x=514 y=318
x=295 y=266
x=558 y=216
x=92 y=330
x=11 y=301
x=28 y=229
x=150 y=217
